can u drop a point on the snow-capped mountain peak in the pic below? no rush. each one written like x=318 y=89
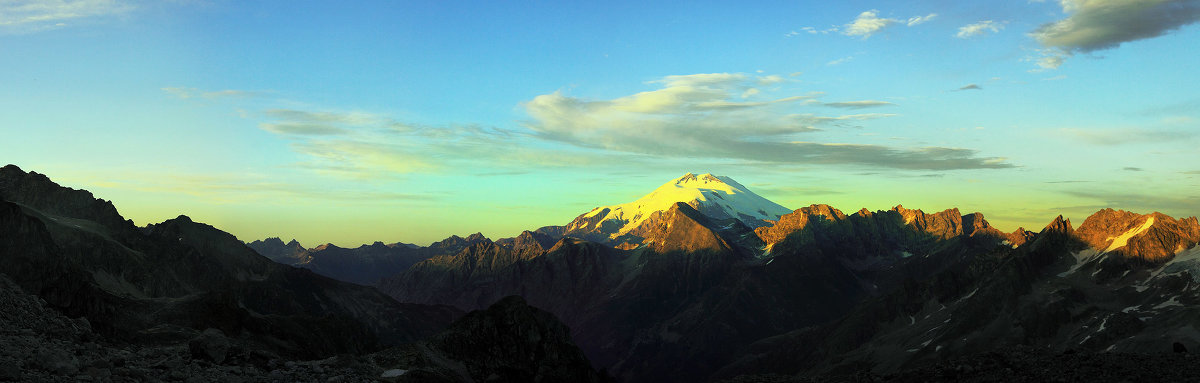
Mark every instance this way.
x=718 y=197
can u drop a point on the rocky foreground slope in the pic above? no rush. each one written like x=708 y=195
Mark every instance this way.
x=181 y=300
x=150 y=283
x=508 y=342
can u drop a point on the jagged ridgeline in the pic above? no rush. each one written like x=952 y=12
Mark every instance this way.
x=161 y=280
x=686 y=284
x=181 y=299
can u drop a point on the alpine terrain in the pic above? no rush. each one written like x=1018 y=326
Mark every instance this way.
x=699 y=280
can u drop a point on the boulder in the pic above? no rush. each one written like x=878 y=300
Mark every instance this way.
x=211 y=345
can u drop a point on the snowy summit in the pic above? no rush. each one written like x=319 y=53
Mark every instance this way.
x=718 y=197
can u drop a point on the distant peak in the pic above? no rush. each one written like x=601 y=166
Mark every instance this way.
x=1059 y=224
x=823 y=210
x=12 y=168
x=325 y=246
x=717 y=197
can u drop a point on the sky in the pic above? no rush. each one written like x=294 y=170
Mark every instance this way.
x=410 y=121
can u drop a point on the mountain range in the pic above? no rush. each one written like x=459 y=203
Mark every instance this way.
x=700 y=280
x=137 y=299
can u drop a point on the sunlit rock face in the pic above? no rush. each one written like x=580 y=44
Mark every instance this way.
x=1152 y=238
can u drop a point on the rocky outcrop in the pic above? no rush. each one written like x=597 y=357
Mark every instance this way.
x=514 y=342
x=37 y=191
x=797 y=221
x=1020 y=237
x=274 y=249
x=555 y=232
x=681 y=229
x=531 y=240
x=455 y=244
x=211 y=345
x=1150 y=238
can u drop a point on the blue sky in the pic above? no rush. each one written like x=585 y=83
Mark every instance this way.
x=411 y=121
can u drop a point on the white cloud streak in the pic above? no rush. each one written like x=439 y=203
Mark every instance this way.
x=30 y=16
x=186 y=93
x=858 y=104
x=840 y=61
x=362 y=145
x=868 y=23
x=979 y=28
x=1124 y=136
x=917 y=20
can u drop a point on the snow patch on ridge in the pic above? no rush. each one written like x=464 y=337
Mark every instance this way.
x=1081 y=258
x=1120 y=241
x=1187 y=260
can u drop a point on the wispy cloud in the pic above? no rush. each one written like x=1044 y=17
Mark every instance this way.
x=29 y=16
x=186 y=93
x=840 y=61
x=979 y=28
x=363 y=145
x=1096 y=25
x=970 y=87
x=917 y=20
x=858 y=104
x=1050 y=59
x=868 y=23
x=686 y=117
x=815 y=31
x=1123 y=136
x=1132 y=169
x=301 y=128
